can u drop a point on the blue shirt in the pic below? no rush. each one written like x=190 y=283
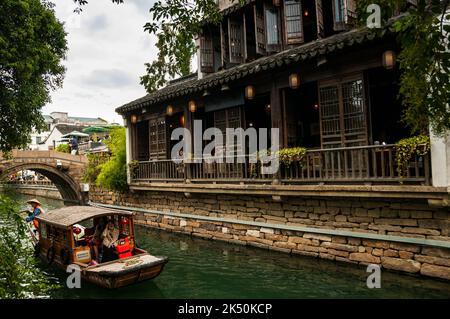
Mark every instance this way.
x=35 y=213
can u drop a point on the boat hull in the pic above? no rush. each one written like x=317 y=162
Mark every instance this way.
x=118 y=273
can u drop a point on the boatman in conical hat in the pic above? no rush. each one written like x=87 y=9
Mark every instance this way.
x=37 y=210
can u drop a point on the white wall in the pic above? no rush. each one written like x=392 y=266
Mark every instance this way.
x=440 y=160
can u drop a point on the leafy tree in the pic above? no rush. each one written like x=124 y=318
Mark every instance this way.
x=424 y=61
x=63 y=148
x=113 y=173
x=20 y=276
x=32 y=45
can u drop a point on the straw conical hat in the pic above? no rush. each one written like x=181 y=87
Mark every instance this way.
x=34 y=200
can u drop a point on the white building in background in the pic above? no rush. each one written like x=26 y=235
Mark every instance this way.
x=59 y=124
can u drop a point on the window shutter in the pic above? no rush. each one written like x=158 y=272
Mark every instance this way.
x=260 y=29
x=158 y=141
x=319 y=15
x=224 y=42
x=206 y=54
x=236 y=40
x=272 y=24
x=293 y=21
x=344 y=12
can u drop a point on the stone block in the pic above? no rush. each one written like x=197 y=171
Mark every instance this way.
x=421 y=214
x=436 y=252
x=299 y=240
x=433 y=260
x=318 y=237
x=342 y=247
x=364 y=258
x=435 y=271
x=253 y=233
x=406 y=265
x=396 y=221
x=390 y=253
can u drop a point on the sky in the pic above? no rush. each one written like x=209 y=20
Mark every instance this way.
x=107 y=51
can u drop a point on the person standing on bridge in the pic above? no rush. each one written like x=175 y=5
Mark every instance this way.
x=74 y=146
x=37 y=210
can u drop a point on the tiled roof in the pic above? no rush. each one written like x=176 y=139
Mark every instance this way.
x=267 y=63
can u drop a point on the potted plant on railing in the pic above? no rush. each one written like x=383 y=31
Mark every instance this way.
x=291 y=159
x=408 y=148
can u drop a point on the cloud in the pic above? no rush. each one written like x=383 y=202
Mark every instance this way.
x=112 y=78
x=97 y=23
x=143 y=5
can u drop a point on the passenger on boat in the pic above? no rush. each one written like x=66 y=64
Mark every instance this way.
x=37 y=210
x=110 y=236
x=78 y=234
x=96 y=241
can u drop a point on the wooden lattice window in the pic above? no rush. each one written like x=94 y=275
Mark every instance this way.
x=236 y=40
x=228 y=118
x=355 y=124
x=206 y=54
x=260 y=29
x=343 y=113
x=330 y=116
x=158 y=142
x=293 y=21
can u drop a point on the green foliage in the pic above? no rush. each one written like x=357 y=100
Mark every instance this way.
x=63 y=148
x=287 y=156
x=113 y=173
x=424 y=62
x=409 y=147
x=20 y=276
x=176 y=24
x=133 y=166
x=32 y=45
x=93 y=168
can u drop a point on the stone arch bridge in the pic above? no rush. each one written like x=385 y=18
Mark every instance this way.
x=64 y=170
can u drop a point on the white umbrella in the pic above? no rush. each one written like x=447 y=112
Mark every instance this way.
x=75 y=134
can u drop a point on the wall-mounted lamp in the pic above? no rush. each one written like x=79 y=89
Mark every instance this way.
x=306 y=13
x=169 y=110
x=294 y=81
x=389 y=59
x=316 y=106
x=134 y=119
x=182 y=120
x=192 y=106
x=249 y=92
x=268 y=108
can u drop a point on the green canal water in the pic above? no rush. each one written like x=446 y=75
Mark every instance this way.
x=200 y=268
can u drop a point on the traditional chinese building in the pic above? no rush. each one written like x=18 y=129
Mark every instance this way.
x=330 y=87
x=299 y=66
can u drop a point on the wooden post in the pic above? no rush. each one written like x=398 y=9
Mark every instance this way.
x=277 y=118
x=188 y=125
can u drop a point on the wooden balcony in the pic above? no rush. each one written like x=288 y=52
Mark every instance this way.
x=353 y=165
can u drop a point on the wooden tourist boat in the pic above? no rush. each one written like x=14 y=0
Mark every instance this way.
x=57 y=243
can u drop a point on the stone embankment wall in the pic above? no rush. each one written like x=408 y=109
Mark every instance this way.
x=408 y=236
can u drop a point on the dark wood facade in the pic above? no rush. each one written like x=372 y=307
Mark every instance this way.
x=345 y=110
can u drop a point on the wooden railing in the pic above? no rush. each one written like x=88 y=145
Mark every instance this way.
x=366 y=164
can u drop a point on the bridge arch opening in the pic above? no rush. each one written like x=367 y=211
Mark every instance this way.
x=68 y=188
